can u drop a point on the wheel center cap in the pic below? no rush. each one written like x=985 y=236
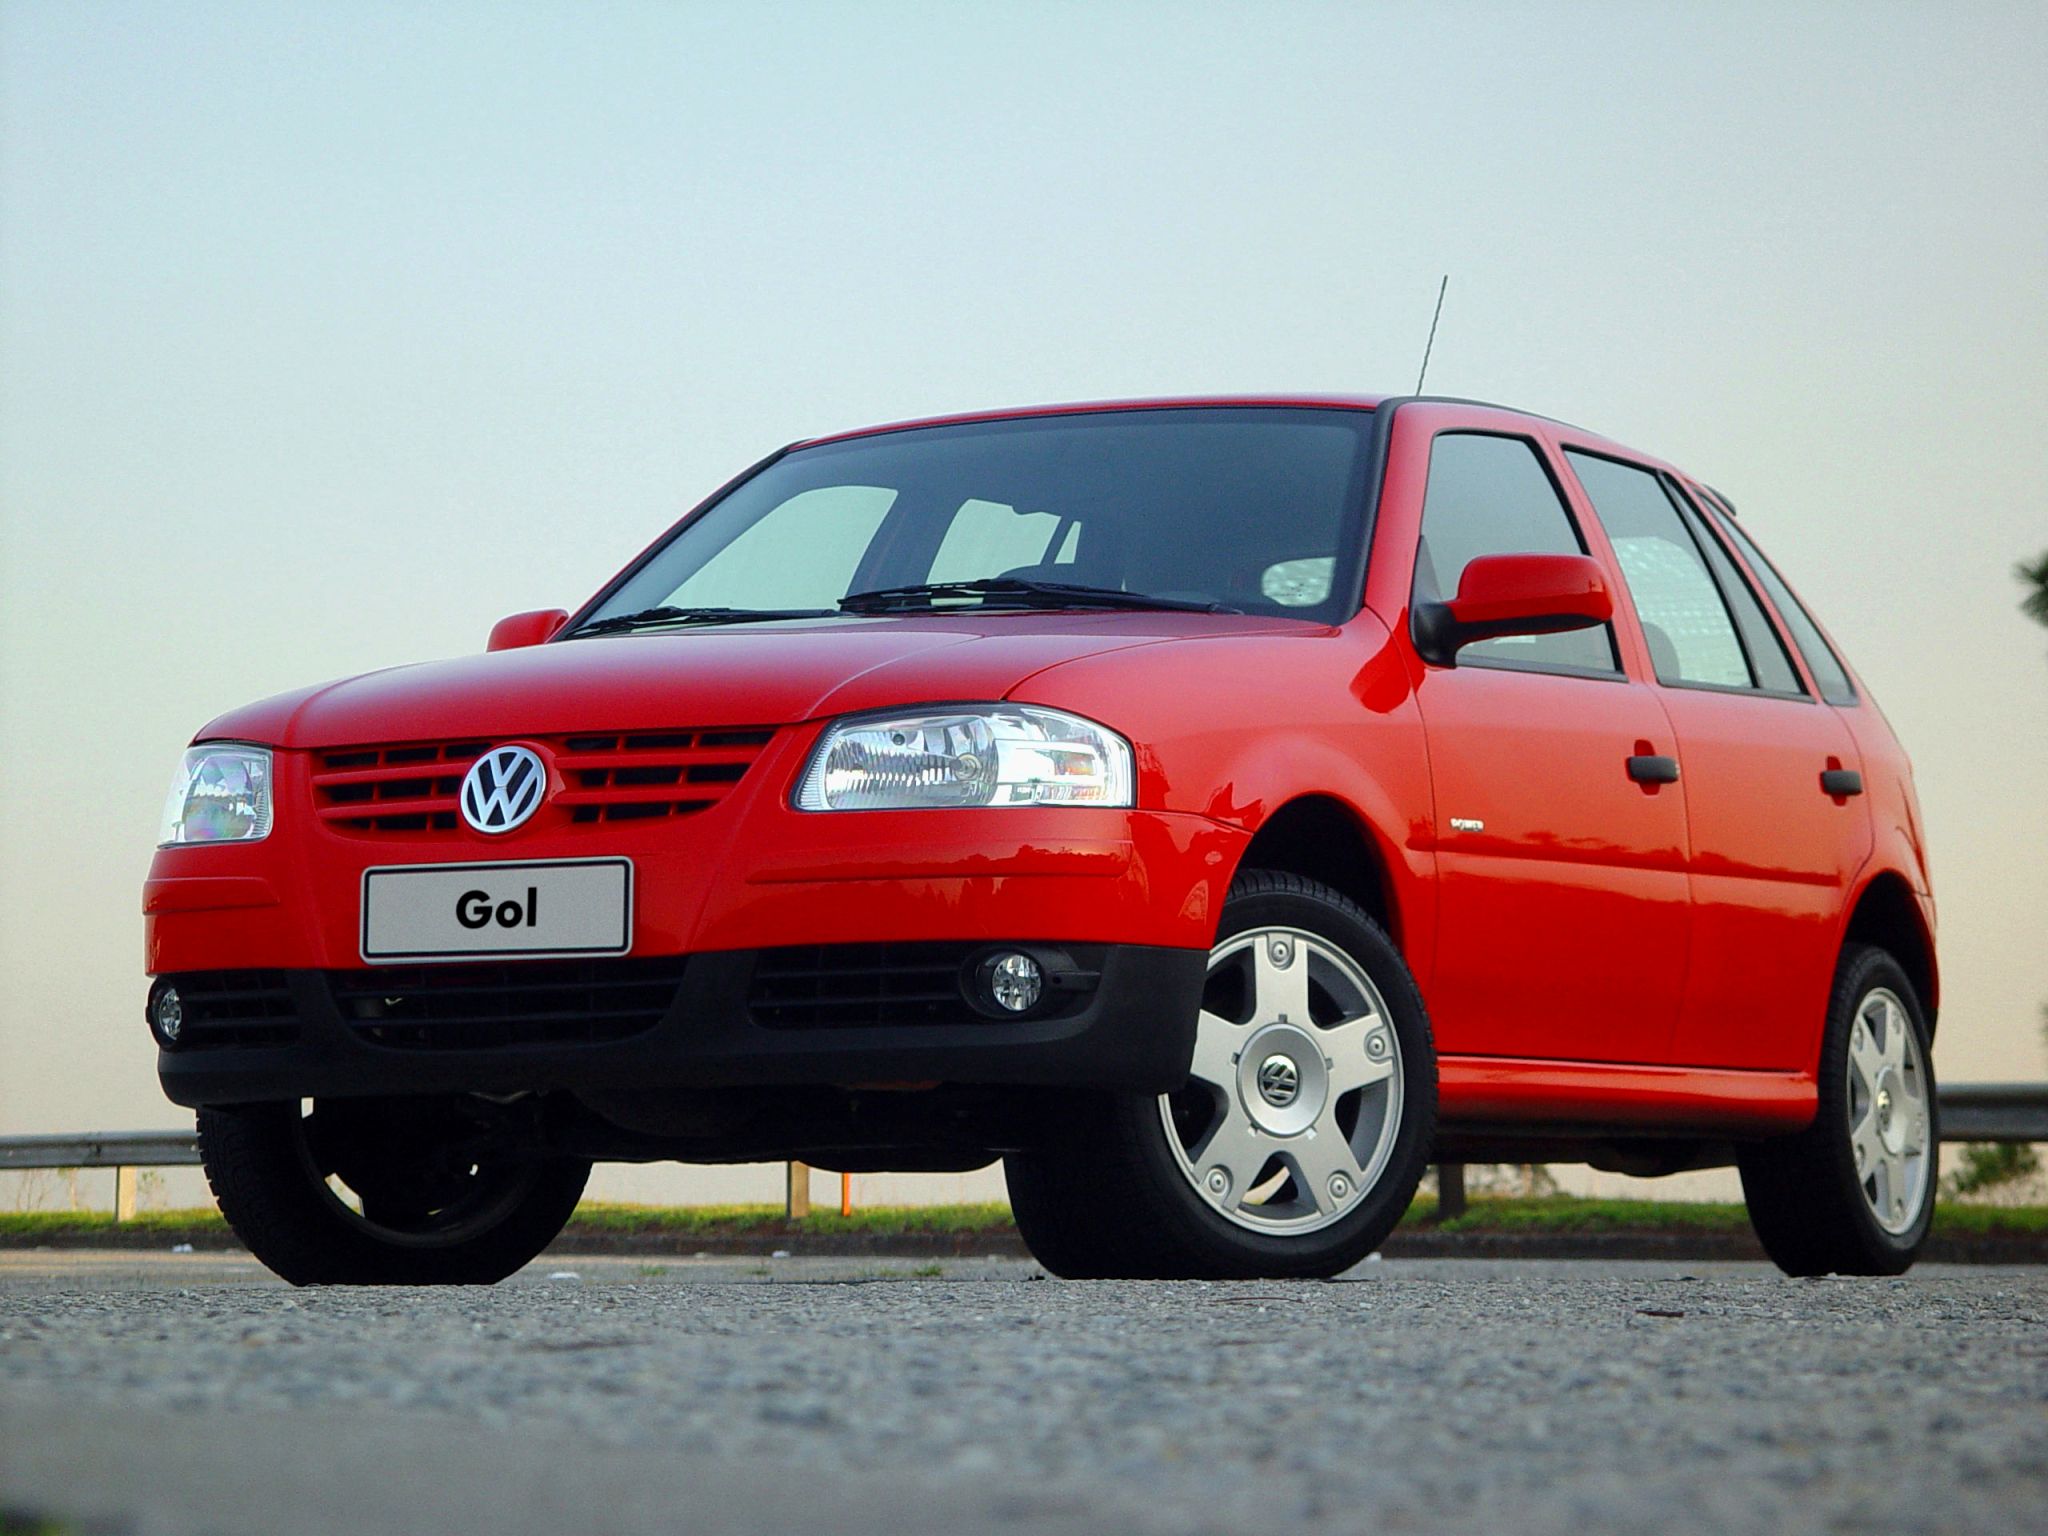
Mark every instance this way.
x=1279 y=1080
x=1891 y=1123
x=1282 y=1079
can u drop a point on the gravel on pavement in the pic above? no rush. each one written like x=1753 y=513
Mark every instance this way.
x=173 y=1397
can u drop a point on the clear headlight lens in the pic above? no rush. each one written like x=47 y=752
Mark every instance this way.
x=220 y=794
x=983 y=755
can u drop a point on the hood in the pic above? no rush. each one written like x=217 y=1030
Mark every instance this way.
x=765 y=674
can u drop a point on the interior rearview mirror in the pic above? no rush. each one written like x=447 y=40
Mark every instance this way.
x=524 y=629
x=1513 y=595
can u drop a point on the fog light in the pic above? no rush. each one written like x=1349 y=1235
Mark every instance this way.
x=1012 y=981
x=167 y=1015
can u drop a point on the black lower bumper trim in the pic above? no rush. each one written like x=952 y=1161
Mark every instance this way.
x=1134 y=1030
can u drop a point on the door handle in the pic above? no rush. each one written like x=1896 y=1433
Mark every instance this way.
x=1841 y=781
x=1648 y=768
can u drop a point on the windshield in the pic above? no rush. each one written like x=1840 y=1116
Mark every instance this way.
x=1248 y=508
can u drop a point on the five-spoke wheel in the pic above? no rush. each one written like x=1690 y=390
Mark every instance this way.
x=1890 y=1129
x=1853 y=1193
x=1300 y=1135
x=1294 y=1096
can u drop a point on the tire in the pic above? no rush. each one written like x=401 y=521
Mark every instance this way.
x=1816 y=1210
x=1296 y=1144
x=439 y=1204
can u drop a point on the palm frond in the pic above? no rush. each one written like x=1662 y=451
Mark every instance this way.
x=2035 y=574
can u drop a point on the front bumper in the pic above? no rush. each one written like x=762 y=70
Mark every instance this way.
x=705 y=1020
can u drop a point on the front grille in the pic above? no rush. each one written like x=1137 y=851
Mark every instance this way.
x=222 y=1008
x=861 y=986
x=489 y=1007
x=613 y=776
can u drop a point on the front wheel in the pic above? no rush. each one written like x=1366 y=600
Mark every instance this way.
x=385 y=1191
x=1300 y=1136
x=1853 y=1194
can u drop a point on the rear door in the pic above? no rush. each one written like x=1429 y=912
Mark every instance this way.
x=1772 y=851
x=1563 y=912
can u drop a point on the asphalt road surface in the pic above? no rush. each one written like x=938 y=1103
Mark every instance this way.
x=167 y=1396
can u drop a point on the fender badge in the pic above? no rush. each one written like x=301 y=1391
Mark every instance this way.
x=1467 y=824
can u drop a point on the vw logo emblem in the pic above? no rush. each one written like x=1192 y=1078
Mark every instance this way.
x=503 y=788
x=1279 y=1081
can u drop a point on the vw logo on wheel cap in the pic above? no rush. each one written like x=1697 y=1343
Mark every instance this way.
x=503 y=788
x=1279 y=1080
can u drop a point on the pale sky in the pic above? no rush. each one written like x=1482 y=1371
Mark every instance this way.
x=330 y=334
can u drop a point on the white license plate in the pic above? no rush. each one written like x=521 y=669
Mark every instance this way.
x=551 y=909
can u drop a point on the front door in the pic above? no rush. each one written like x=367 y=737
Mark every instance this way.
x=1562 y=909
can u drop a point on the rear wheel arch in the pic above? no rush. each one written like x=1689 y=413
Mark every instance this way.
x=1886 y=915
x=1322 y=838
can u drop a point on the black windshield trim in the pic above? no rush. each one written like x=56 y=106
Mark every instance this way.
x=1015 y=592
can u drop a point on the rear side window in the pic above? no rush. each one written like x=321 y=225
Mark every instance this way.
x=1491 y=495
x=1828 y=672
x=1767 y=655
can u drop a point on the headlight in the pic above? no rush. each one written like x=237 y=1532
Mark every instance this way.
x=221 y=794
x=981 y=755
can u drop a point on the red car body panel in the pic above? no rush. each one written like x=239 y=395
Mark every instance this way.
x=1602 y=953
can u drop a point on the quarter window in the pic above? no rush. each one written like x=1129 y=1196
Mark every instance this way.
x=1687 y=624
x=1491 y=495
x=1827 y=671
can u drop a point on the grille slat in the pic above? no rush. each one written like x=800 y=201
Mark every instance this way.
x=491 y=1007
x=861 y=986
x=412 y=787
x=223 y=1008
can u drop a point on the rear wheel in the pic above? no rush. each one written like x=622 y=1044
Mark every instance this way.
x=1853 y=1194
x=385 y=1191
x=1302 y=1131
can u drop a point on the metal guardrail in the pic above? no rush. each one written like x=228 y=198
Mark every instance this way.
x=125 y=1152
x=101 y=1149
x=1994 y=1111
x=1969 y=1112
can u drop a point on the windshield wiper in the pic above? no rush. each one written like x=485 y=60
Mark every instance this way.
x=1013 y=592
x=666 y=618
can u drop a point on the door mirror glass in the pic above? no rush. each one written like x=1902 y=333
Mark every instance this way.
x=1514 y=595
x=524 y=629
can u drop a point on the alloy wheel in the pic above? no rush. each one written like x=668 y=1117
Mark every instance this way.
x=1294 y=1099
x=1890 y=1130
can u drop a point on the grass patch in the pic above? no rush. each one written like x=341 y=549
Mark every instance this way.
x=28 y=1225
x=1990 y=1218
x=886 y=1220
x=1486 y=1213
x=1572 y=1214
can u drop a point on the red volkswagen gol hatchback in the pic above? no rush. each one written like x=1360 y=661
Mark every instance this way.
x=1210 y=808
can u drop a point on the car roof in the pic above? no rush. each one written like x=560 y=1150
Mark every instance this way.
x=1082 y=407
x=1575 y=435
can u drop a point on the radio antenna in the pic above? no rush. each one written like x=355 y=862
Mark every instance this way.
x=1431 y=346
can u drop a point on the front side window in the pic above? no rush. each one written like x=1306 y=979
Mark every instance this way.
x=1690 y=632
x=1255 y=509
x=1490 y=495
x=1828 y=673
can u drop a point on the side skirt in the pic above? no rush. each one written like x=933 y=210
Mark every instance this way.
x=1486 y=1096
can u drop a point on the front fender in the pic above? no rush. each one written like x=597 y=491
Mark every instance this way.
x=1235 y=728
